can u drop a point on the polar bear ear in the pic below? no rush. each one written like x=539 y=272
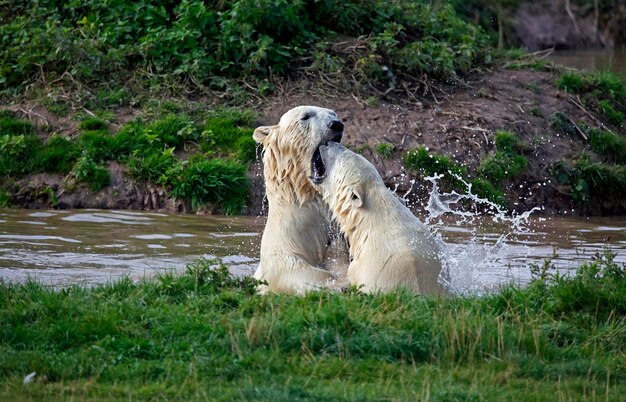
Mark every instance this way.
x=356 y=197
x=261 y=133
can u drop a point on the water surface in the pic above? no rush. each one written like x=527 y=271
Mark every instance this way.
x=95 y=246
x=591 y=60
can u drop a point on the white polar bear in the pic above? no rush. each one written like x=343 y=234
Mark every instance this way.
x=297 y=231
x=389 y=246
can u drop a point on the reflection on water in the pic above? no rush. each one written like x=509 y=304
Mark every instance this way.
x=91 y=246
x=591 y=60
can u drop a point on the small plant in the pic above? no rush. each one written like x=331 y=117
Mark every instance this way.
x=385 y=150
x=9 y=125
x=58 y=155
x=570 y=82
x=611 y=146
x=5 y=198
x=215 y=181
x=535 y=111
x=507 y=162
x=428 y=164
x=86 y=170
x=588 y=179
x=152 y=167
x=612 y=115
x=93 y=124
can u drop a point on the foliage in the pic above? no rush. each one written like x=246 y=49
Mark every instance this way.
x=5 y=198
x=213 y=181
x=385 y=150
x=11 y=126
x=204 y=334
x=93 y=124
x=506 y=163
x=611 y=146
x=603 y=91
x=88 y=171
x=428 y=164
x=211 y=42
x=151 y=167
x=592 y=180
x=57 y=155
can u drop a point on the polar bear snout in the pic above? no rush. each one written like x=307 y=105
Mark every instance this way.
x=336 y=125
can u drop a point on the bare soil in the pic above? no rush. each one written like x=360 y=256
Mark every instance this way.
x=456 y=121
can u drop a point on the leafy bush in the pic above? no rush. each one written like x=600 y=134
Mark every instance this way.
x=588 y=179
x=151 y=167
x=16 y=152
x=9 y=125
x=86 y=170
x=213 y=41
x=603 y=91
x=506 y=163
x=93 y=124
x=57 y=155
x=215 y=181
x=609 y=145
x=385 y=150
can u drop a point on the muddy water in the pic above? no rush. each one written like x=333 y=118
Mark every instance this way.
x=591 y=60
x=93 y=246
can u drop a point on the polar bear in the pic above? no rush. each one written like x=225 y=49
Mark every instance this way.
x=389 y=246
x=297 y=232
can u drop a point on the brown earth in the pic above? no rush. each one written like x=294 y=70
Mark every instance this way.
x=459 y=122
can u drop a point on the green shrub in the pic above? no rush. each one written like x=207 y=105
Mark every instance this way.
x=170 y=131
x=570 y=82
x=611 y=146
x=506 y=163
x=588 y=179
x=603 y=91
x=88 y=171
x=612 y=115
x=58 y=155
x=561 y=124
x=5 y=198
x=151 y=167
x=98 y=145
x=214 y=181
x=216 y=41
x=16 y=153
x=428 y=164
x=12 y=126
x=385 y=150
x=484 y=189
x=93 y=124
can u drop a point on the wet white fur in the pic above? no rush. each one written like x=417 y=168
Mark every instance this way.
x=389 y=246
x=296 y=235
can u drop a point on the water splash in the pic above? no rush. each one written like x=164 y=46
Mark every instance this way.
x=468 y=267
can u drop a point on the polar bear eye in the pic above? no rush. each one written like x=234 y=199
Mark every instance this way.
x=306 y=117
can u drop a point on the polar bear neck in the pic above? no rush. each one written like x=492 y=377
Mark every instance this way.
x=357 y=223
x=286 y=178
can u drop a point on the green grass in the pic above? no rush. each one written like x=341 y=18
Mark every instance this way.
x=151 y=152
x=603 y=92
x=206 y=335
x=592 y=181
x=421 y=161
x=610 y=146
x=215 y=44
x=507 y=162
x=385 y=150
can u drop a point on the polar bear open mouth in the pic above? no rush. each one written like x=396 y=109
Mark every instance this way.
x=318 y=168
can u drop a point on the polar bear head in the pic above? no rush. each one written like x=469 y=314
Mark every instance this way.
x=292 y=151
x=347 y=180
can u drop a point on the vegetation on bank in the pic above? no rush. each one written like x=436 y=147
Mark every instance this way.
x=206 y=335
x=202 y=44
x=220 y=144
x=598 y=173
x=490 y=177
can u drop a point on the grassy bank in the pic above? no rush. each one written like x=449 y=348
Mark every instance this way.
x=205 y=335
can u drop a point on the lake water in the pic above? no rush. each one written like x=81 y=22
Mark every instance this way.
x=592 y=60
x=94 y=246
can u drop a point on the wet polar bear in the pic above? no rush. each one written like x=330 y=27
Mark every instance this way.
x=297 y=231
x=389 y=246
